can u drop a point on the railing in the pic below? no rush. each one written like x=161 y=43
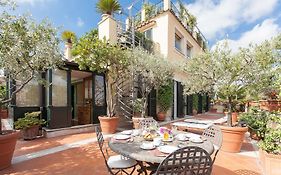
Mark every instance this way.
x=194 y=30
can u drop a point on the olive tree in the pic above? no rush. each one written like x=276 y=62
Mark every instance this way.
x=223 y=72
x=97 y=55
x=152 y=70
x=27 y=49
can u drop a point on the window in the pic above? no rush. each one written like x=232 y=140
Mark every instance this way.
x=148 y=34
x=188 y=51
x=59 y=87
x=178 y=40
x=29 y=95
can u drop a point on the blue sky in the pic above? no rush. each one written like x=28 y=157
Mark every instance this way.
x=240 y=21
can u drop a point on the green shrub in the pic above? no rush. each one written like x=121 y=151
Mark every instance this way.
x=137 y=106
x=29 y=120
x=256 y=120
x=164 y=97
x=272 y=140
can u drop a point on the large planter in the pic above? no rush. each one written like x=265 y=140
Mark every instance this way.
x=161 y=116
x=108 y=124
x=271 y=163
x=30 y=133
x=3 y=113
x=232 y=138
x=270 y=105
x=7 y=148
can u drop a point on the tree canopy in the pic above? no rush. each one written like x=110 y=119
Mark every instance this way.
x=27 y=48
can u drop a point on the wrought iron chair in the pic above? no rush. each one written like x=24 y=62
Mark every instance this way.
x=189 y=160
x=116 y=162
x=214 y=135
x=147 y=122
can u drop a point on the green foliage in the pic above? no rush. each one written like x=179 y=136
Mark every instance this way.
x=256 y=120
x=149 y=10
x=108 y=6
x=27 y=49
x=99 y=56
x=3 y=91
x=224 y=73
x=153 y=71
x=137 y=105
x=272 y=140
x=29 y=120
x=68 y=36
x=165 y=97
x=195 y=101
x=186 y=16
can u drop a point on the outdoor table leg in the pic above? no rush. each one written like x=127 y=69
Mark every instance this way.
x=142 y=168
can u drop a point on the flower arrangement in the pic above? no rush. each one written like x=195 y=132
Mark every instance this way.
x=163 y=130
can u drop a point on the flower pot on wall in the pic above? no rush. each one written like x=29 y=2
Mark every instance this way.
x=271 y=163
x=30 y=133
x=233 y=138
x=7 y=148
x=161 y=116
x=108 y=124
x=270 y=105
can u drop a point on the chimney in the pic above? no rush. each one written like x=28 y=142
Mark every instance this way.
x=67 y=51
x=167 y=5
x=108 y=29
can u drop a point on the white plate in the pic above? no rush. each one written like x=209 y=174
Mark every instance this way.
x=191 y=135
x=147 y=146
x=196 y=140
x=182 y=137
x=167 y=149
x=127 y=132
x=121 y=137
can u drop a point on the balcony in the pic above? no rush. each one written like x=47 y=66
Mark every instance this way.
x=152 y=10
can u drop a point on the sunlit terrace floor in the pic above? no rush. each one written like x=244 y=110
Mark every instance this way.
x=79 y=155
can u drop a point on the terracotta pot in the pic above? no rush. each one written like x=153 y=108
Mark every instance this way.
x=194 y=112
x=30 y=133
x=161 y=116
x=234 y=117
x=7 y=148
x=254 y=103
x=108 y=124
x=233 y=138
x=3 y=113
x=271 y=163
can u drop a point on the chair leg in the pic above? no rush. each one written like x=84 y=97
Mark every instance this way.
x=215 y=156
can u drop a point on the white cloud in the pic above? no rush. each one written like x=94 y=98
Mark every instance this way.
x=33 y=2
x=259 y=33
x=215 y=17
x=80 y=22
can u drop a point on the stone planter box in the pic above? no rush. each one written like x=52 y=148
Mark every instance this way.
x=271 y=163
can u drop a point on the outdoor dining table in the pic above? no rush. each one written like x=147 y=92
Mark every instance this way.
x=131 y=148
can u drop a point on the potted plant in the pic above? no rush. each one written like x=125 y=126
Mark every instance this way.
x=153 y=72
x=137 y=107
x=256 y=121
x=270 y=146
x=222 y=72
x=107 y=7
x=38 y=47
x=97 y=55
x=164 y=100
x=3 y=109
x=29 y=125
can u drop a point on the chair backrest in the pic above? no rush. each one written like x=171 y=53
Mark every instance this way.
x=103 y=150
x=189 y=160
x=147 y=122
x=214 y=135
